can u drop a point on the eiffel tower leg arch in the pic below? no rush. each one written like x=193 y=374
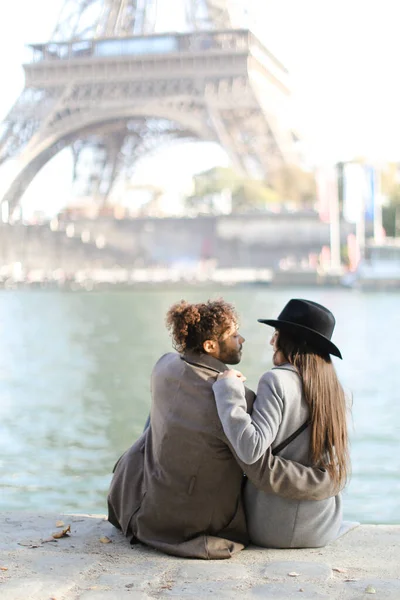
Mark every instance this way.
x=190 y=119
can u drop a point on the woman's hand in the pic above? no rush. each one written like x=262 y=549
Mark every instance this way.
x=231 y=373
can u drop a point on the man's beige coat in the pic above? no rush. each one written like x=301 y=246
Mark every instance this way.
x=178 y=488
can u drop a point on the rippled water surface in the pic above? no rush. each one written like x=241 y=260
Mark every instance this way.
x=74 y=387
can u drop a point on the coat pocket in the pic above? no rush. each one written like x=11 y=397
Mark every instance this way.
x=191 y=486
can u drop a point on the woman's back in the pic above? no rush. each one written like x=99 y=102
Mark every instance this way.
x=277 y=522
x=303 y=387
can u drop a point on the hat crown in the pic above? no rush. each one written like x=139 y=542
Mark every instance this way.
x=309 y=314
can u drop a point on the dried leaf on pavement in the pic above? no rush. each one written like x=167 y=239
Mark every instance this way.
x=105 y=540
x=64 y=533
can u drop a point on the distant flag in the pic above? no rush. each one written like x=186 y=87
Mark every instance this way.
x=370 y=193
x=325 y=257
x=353 y=251
x=328 y=209
x=327 y=190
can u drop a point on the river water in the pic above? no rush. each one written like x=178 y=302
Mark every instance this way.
x=74 y=387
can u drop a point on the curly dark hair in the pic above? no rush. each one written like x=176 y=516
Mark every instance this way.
x=190 y=325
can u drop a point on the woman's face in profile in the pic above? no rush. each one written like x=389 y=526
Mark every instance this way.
x=273 y=340
x=277 y=358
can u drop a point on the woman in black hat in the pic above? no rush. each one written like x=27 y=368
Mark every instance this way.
x=300 y=410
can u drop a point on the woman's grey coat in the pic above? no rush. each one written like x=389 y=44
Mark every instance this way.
x=279 y=410
x=178 y=488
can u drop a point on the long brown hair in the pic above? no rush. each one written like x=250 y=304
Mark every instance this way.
x=326 y=399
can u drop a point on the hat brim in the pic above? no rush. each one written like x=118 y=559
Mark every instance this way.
x=319 y=341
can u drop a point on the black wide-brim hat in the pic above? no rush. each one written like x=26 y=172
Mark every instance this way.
x=310 y=321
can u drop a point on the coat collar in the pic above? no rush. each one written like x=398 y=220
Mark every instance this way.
x=286 y=366
x=204 y=360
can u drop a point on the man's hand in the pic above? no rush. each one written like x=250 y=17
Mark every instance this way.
x=232 y=373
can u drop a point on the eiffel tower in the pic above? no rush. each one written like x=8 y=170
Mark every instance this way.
x=110 y=81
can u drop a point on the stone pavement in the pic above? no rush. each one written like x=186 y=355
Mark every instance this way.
x=95 y=562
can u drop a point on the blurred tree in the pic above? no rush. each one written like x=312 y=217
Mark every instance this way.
x=252 y=193
x=294 y=184
x=215 y=180
x=390 y=187
x=288 y=183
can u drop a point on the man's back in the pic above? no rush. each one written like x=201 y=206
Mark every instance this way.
x=191 y=488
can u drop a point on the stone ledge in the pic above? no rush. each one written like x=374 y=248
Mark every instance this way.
x=362 y=564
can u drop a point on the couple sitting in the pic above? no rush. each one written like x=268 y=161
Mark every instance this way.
x=180 y=488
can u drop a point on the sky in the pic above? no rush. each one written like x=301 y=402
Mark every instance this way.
x=342 y=57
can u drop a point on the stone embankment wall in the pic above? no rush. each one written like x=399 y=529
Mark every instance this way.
x=258 y=241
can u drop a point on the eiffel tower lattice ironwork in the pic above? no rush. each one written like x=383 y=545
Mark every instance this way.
x=109 y=81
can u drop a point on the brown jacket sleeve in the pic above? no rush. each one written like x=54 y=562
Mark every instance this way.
x=289 y=479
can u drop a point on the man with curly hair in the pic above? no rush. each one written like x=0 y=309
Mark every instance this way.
x=178 y=488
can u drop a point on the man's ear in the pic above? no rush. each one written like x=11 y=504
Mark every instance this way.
x=209 y=346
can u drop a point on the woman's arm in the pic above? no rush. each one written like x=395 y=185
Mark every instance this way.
x=250 y=436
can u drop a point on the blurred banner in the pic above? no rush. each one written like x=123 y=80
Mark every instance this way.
x=328 y=210
x=327 y=191
x=359 y=192
x=354 y=191
x=370 y=199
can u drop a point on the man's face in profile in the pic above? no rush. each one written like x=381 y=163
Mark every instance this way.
x=230 y=346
